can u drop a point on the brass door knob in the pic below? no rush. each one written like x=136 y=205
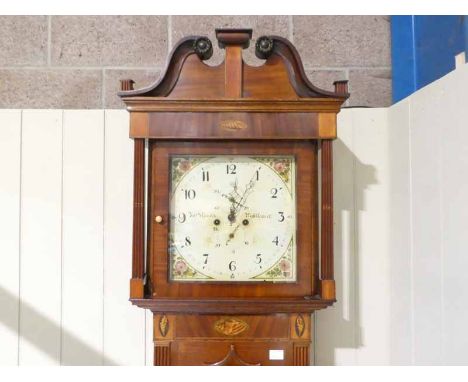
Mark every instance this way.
x=158 y=219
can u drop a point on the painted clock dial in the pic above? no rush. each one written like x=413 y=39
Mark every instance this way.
x=232 y=218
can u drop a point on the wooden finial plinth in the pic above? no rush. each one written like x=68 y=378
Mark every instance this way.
x=230 y=36
x=233 y=40
x=126 y=85
x=341 y=87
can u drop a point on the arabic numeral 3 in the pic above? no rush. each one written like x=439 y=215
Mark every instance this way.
x=281 y=216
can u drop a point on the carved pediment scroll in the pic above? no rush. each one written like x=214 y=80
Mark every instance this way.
x=282 y=76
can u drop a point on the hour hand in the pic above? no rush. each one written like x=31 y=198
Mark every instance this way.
x=230 y=198
x=235 y=205
x=232 y=215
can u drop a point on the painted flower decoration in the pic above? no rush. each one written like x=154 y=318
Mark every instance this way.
x=285 y=267
x=184 y=165
x=280 y=167
x=180 y=267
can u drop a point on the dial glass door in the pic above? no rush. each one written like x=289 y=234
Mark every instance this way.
x=232 y=218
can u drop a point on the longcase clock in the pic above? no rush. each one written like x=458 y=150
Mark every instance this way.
x=231 y=268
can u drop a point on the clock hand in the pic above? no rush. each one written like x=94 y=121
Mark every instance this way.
x=237 y=204
x=246 y=193
x=231 y=235
x=232 y=215
x=231 y=199
x=232 y=209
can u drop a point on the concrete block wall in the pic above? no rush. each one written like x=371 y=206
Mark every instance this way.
x=75 y=62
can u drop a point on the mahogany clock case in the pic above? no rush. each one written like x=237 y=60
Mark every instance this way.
x=234 y=109
x=242 y=340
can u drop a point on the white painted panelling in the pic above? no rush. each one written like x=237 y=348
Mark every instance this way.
x=82 y=243
x=336 y=327
x=10 y=162
x=450 y=119
x=399 y=235
x=124 y=324
x=357 y=329
x=426 y=124
x=40 y=265
x=371 y=196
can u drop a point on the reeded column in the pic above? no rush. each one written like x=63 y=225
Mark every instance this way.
x=138 y=239
x=326 y=239
x=328 y=291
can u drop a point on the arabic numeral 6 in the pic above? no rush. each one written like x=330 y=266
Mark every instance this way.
x=232 y=266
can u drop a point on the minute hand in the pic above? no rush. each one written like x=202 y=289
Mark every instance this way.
x=243 y=198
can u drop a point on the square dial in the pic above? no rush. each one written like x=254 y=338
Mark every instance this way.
x=232 y=218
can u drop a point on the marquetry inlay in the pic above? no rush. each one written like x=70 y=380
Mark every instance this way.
x=163 y=325
x=230 y=326
x=299 y=325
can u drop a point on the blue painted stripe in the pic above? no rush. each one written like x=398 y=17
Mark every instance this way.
x=423 y=50
x=403 y=57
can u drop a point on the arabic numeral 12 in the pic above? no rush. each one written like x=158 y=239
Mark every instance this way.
x=231 y=169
